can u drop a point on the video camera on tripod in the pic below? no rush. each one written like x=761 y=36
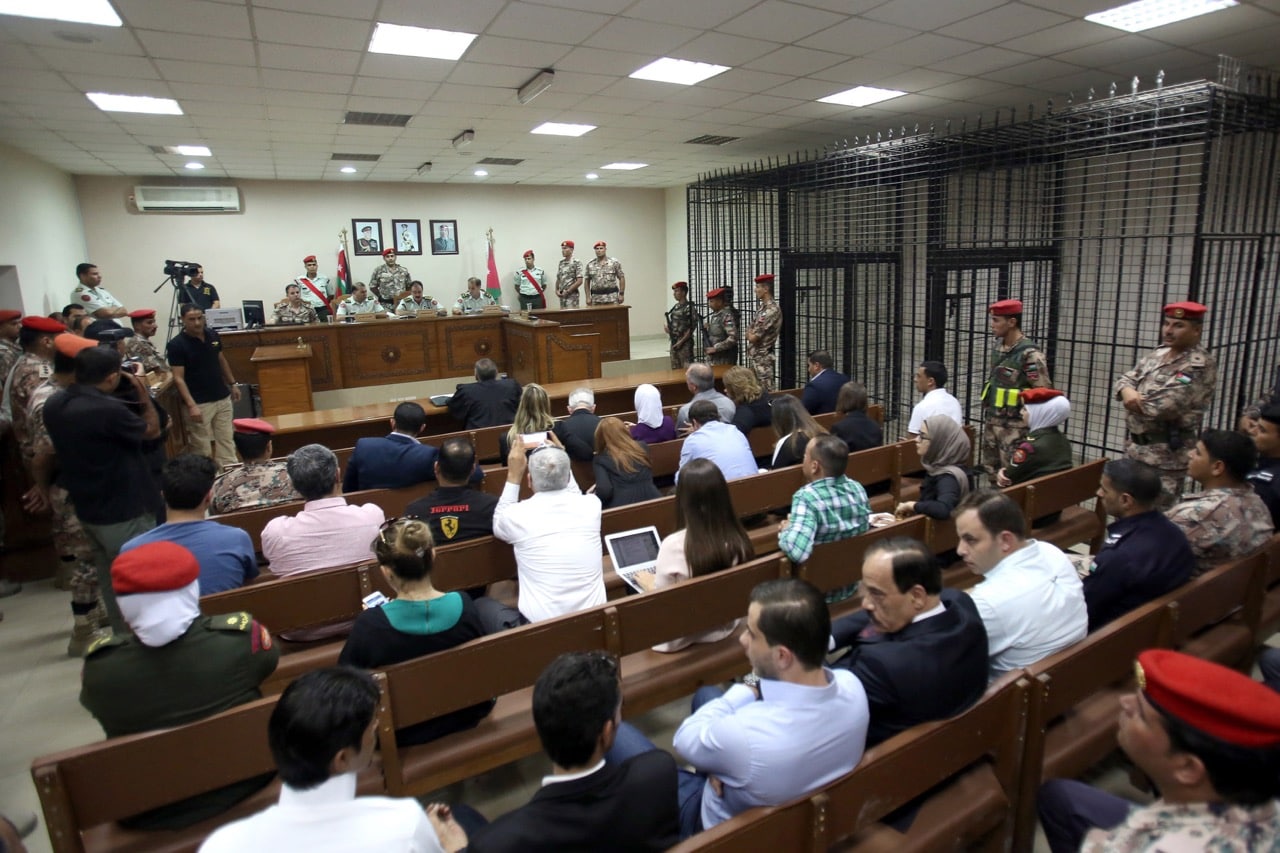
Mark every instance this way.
x=178 y=270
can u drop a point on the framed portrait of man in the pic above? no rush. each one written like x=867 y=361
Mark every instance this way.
x=368 y=236
x=408 y=236
x=444 y=236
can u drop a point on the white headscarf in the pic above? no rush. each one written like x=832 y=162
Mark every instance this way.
x=159 y=618
x=1050 y=413
x=649 y=406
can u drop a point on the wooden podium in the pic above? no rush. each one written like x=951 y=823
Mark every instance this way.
x=284 y=378
x=544 y=351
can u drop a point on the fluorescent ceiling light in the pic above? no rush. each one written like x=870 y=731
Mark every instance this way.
x=191 y=150
x=481 y=173
x=591 y=176
x=682 y=71
x=348 y=170
x=861 y=96
x=419 y=41
x=1148 y=14
x=626 y=167
x=195 y=165
x=540 y=83
x=555 y=128
x=135 y=104
x=72 y=11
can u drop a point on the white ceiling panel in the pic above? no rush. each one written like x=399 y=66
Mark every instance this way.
x=525 y=20
x=271 y=25
x=775 y=20
x=793 y=61
x=704 y=14
x=857 y=36
x=466 y=16
x=294 y=58
x=219 y=20
x=187 y=47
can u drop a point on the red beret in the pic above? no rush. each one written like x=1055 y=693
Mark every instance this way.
x=766 y=277
x=252 y=426
x=43 y=324
x=9 y=314
x=718 y=293
x=70 y=345
x=1006 y=308
x=154 y=567
x=600 y=244
x=680 y=285
x=309 y=259
x=1039 y=395
x=1210 y=698
x=142 y=313
x=528 y=253
x=386 y=252
x=1185 y=310
x=568 y=243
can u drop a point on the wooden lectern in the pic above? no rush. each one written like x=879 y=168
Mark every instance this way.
x=284 y=378
x=543 y=351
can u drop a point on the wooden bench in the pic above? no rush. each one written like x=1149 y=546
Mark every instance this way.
x=1269 y=618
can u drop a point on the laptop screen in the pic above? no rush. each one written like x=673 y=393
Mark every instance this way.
x=634 y=548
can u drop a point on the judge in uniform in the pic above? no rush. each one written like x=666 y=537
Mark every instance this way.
x=293 y=311
x=475 y=300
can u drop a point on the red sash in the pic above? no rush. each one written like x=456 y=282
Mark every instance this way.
x=532 y=280
x=304 y=280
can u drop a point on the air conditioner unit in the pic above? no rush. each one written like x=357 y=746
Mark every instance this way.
x=187 y=199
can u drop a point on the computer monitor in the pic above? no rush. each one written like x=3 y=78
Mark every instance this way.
x=254 y=313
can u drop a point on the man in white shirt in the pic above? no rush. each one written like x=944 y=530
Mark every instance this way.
x=1031 y=599
x=931 y=377
x=555 y=533
x=322 y=735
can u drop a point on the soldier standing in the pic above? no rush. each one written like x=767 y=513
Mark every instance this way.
x=531 y=284
x=260 y=481
x=317 y=290
x=679 y=326
x=140 y=346
x=762 y=337
x=606 y=285
x=568 y=277
x=1166 y=395
x=389 y=279
x=721 y=329
x=10 y=352
x=1016 y=365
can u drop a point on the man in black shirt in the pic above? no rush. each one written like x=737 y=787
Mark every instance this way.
x=454 y=511
x=99 y=443
x=206 y=385
x=489 y=401
x=1265 y=479
x=201 y=292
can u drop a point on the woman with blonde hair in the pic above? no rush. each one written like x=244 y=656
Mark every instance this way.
x=651 y=426
x=742 y=386
x=794 y=426
x=419 y=621
x=621 y=466
x=533 y=415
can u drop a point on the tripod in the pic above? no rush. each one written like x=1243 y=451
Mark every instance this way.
x=180 y=288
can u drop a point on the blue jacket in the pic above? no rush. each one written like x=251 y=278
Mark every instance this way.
x=1143 y=557
x=821 y=392
x=389 y=462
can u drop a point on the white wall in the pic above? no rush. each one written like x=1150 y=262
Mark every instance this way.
x=677 y=208
x=253 y=255
x=41 y=235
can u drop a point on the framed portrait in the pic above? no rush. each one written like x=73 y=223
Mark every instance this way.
x=444 y=236
x=367 y=236
x=406 y=236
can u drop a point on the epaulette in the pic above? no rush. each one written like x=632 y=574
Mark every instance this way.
x=105 y=641
x=231 y=621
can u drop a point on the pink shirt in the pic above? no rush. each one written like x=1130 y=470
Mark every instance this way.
x=670 y=569
x=328 y=532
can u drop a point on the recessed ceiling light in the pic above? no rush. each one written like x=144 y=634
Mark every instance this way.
x=191 y=150
x=135 y=104
x=195 y=165
x=555 y=128
x=348 y=170
x=682 y=71
x=481 y=173
x=1147 y=14
x=74 y=11
x=626 y=167
x=419 y=41
x=591 y=176
x=861 y=96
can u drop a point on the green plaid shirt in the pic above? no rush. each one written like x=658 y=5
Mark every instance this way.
x=823 y=511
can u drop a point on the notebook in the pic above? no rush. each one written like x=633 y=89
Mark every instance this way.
x=634 y=553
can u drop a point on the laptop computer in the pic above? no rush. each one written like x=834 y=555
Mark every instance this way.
x=635 y=553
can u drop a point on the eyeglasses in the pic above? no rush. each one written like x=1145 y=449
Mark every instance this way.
x=391 y=522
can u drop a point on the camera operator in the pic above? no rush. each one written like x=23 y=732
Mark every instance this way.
x=199 y=291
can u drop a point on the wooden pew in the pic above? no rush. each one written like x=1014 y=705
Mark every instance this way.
x=1219 y=611
x=834 y=565
x=1269 y=618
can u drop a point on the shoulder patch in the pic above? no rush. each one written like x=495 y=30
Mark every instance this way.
x=1020 y=455
x=104 y=642
x=231 y=621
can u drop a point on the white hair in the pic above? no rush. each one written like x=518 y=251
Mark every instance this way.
x=582 y=397
x=549 y=469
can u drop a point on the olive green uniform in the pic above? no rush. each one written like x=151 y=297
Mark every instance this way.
x=1043 y=451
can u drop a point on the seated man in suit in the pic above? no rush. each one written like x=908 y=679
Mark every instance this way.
x=586 y=803
x=919 y=650
x=395 y=460
x=578 y=431
x=823 y=389
x=489 y=401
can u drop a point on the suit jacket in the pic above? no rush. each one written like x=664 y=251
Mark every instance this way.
x=930 y=670
x=578 y=434
x=821 y=392
x=389 y=462
x=632 y=806
x=492 y=402
x=858 y=431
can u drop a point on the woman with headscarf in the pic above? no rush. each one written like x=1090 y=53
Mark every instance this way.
x=651 y=425
x=1045 y=450
x=944 y=449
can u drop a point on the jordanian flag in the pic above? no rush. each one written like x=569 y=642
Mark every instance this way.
x=344 y=271
x=494 y=284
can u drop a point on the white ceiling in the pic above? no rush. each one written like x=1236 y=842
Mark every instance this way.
x=265 y=83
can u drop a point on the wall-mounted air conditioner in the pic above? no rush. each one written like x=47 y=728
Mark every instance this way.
x=187 y=199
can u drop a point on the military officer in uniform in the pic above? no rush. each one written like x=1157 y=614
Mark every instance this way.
x=318 y=298
x=606 y=285
x=568 y=277
x=762 y=336
x=531 y=284
x=721 y=330
x=1016 y=365
x=680 y=322
x=260 y=481
x=389 y=279
x=359 y=302
x=1045 y=450
x=92 y=297
x=140 y=346
x=1265 y=478
x=293 y=311
x=10 y=352
x=474 y=300
x=1166 y=395
x=415 y=303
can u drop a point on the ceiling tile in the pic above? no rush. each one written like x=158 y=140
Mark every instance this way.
x=359 y=9
x=406 y=67
x=595 y=61
x=527 y=21
x=779 y=21
x=628 y=34
x=981 y=61
x=1062 y=37
x=927 y=15
x=520 y=52
x=305 y=81
x=502 y=76
x=857 y=36
x=1009 y=21
x=794 y=61
x=219 y=20
x=186 y=71
x=310 y=59
x=197 y=49
x=311 y=30
x=704 y=14
x=465 y=16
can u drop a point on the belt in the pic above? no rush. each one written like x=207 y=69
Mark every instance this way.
x=1146 y=438
x=613 y=289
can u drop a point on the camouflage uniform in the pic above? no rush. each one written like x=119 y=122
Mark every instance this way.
x=287 y=315
x=1190 y=826
x=29 y=373
x=681 y=319
x=387 y=283
x=1175 y=395
x=142 y=349
x=721 y=329
x=601 y=281
x=468 y=305
x=1014 y=369
x=569 y=271
x=1223 y=524
x=252 y=485
x=760 y=356
x=9 y=355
